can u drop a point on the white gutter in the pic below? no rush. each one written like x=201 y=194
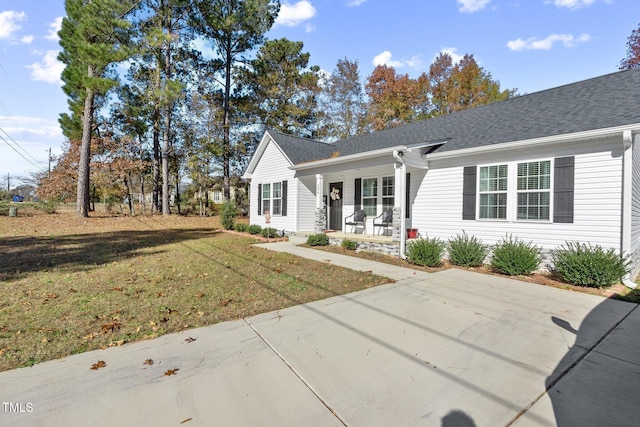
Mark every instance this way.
x=577 y=136
x=345 y=159
x=627 y=195
x=402 y=191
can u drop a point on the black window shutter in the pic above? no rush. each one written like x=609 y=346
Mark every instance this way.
x=407 y=197
x=259 y=199
x=469 y=193
x=563 y=184
x=284 y=198
x=357 y=194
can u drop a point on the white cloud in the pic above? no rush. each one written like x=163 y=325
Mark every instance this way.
x=451 y=51
x=533 y=43
x=354 y=3
x=385 y=58
x=27 y=39
x=575 y=4
x=20 y=127
x=9 y=22
x=470 y=6
x=55 y=26
x=292 y=15
x=49 y=69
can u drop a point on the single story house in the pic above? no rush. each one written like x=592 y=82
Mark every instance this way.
x=553 y=166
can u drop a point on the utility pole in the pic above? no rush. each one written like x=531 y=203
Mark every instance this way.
x=49 y=162
x=8 y=183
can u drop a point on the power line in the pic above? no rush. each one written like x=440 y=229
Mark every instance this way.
x=19 y=153
x=19 y=146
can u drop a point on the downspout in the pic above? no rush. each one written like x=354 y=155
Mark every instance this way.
x=627 y=195
x=401 y=190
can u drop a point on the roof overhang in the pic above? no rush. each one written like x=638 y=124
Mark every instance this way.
x=414 y=154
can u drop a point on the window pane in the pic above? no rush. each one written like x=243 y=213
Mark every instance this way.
x=493 y=206
x=369 y=206
x=277 y=207
x=266 y=191
x=369 y=187
x=387 y=186
x=277 y=190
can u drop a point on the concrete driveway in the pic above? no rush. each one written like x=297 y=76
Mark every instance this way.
x=452 y=348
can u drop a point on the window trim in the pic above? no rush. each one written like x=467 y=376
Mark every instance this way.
x=481 y=193
x=391 y=196
x=376 y=196
x=512 y=191
x=266 y=201
x=549 y=191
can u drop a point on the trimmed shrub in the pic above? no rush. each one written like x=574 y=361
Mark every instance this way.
x=515 y=257
x=269 y=232
x=466 y=251
x=426 y=252
x=349 y=244
x=241 y=227
x=254 y=229
x=586 y=265
x=319 y=239
x=228 y=213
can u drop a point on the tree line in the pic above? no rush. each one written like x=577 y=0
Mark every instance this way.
x=148 y=109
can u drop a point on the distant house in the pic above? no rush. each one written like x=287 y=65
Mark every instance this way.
x=558 y=165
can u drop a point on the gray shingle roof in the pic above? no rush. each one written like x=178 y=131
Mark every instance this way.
x=601 y=102
x=301 y=150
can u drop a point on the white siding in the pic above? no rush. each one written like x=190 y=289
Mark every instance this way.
x=306 y=204
x=437 y=211
x=274 y=167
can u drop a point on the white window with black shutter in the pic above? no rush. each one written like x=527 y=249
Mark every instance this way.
x=539 y=190
x=272 y=198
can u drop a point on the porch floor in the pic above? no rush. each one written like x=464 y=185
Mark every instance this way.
x=359 y=237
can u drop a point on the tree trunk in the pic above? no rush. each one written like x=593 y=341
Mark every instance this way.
x=127 y=184
x=178 y=192
x=82 y=193
x=226 y=144
x=156 y=162
x=167 y=129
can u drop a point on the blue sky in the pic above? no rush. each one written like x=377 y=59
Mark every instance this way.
x=530 y=45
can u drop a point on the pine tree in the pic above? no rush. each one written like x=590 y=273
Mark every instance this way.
x=94 y=36
x=234 y=28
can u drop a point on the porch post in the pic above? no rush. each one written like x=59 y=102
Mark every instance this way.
x=398 y=211
x=321 y=209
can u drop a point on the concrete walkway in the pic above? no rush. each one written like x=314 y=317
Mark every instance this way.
x=452 y=348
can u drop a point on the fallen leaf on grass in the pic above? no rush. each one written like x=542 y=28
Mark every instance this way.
x=172 y=372
x=226 y=302
x=190 y=339
x=111 y=327
x=100 y=364
x=148 y=362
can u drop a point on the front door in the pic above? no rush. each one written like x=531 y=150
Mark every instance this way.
x=335 y=206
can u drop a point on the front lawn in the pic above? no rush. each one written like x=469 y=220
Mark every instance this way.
x=70 y=285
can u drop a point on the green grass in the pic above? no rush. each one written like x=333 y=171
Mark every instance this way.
x=71 y=285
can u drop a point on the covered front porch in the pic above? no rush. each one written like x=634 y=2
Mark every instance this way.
x=365 y=200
